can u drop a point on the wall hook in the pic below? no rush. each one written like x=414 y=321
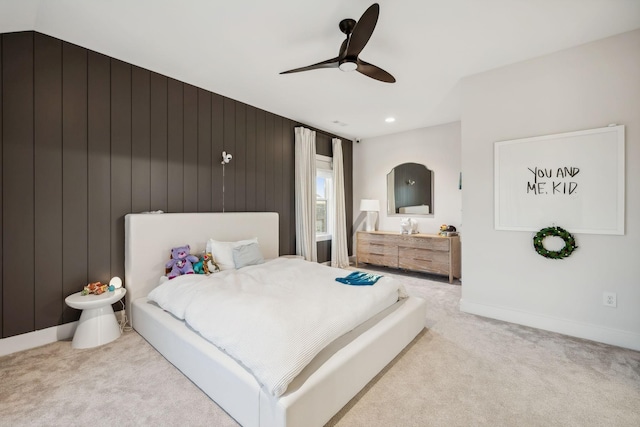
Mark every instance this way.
x=226 y=157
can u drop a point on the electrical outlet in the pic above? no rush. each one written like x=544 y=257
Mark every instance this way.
x=609 y=299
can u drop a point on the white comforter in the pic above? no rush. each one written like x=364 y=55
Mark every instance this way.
x=275 y=317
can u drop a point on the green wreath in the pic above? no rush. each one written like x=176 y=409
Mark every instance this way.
x=569 y=242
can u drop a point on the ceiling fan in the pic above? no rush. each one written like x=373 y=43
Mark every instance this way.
x=358 y=34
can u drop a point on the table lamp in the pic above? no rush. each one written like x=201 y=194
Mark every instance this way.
x=371 y=207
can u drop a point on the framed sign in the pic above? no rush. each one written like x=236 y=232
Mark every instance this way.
x=574 y=180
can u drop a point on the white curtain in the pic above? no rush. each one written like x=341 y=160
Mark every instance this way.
x=339 y=251
x=305 y=193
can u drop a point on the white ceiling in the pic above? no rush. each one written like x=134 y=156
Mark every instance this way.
x=237 y=48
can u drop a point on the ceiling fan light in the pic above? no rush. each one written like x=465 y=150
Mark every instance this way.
x=348 y=66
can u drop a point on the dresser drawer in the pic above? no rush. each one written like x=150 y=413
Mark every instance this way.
x=377 y=249
x=423 y=255
x=424 y=260
x=426 y=266
x=373 y=238
x=385 y=260
x=432 y=243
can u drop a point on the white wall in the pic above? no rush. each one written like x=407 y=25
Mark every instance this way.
x=586 y=87
x=436 y=147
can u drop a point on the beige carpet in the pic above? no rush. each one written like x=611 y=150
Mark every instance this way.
x=463 y=370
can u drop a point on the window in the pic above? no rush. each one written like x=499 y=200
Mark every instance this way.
x=324 y=198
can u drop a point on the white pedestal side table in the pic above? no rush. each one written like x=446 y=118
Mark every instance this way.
x=98 y=324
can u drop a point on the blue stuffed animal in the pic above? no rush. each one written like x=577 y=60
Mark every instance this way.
x=198 y=267
x=180 y=262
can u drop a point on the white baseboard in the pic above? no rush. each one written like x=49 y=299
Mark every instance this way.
x=37 y=338
x=572 y=328
x=42 y=337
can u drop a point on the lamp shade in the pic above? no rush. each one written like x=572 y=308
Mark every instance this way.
x=116 y=282
x=369 y=205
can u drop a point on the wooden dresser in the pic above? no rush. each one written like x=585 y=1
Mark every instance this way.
x=428 y=253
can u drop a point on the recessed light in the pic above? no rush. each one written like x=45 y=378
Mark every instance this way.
x=390 y=119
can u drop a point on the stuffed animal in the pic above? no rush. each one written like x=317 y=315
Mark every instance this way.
x=199 y=266
x=447 y=230
x=210 y=264
x=205 y=265
x=180 y=262
x=95 y=288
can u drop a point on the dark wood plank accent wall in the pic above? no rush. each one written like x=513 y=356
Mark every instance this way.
x=1 y=196
x=48 y=180
x=18 y=288
x=347 y=157
x=204 y=158
x=190 y=147
x=158 y=161
x=140 y=140
x=120 y=185
x=86 y=139
x=74 y=172
x=98 y=166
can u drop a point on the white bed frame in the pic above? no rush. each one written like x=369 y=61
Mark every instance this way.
x=333 y=378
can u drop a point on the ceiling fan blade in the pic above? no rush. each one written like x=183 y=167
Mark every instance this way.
x=329 y=63
x=363 y=30
x=374 y=72
x=343 y=49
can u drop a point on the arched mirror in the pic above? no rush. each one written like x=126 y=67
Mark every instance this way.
x=410 y=190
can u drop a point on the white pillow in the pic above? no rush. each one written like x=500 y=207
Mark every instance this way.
x=222 y=252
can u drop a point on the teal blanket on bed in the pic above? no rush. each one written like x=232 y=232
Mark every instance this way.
x=359 y=278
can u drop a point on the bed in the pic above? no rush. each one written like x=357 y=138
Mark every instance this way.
x=332 y=378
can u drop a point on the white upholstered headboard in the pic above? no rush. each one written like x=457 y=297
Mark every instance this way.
x=149 y=237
